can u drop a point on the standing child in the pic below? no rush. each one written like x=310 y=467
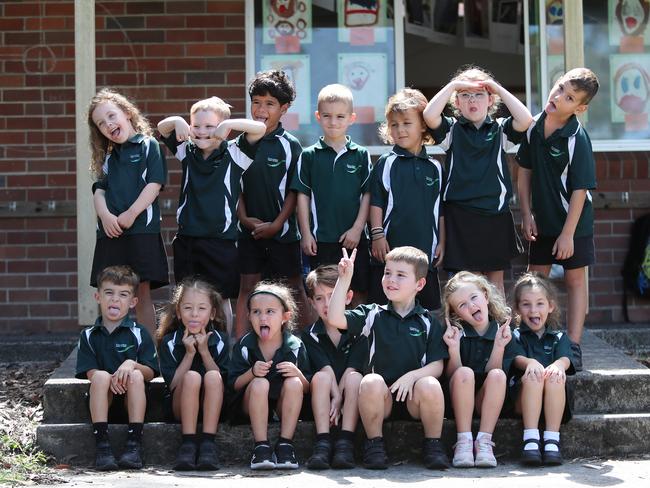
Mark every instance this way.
x=130 y=172
x=543 y=358
x=405 y=202
x=268 y=238
x=337 y=360
x=556 y=167
x=117 y=355
x=480 y=355
x=478 y=188
x=333 y=193
x=206 y=241
x=269 y=371
x=405 y=355
x=193 y=350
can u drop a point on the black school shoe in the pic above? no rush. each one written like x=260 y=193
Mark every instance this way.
x=577 y=356
x=104 y=459
x=208 y=460
x=320 y=458
x=433 y=454
x=262 y=457
x=186 y=457
x=531 y=457
x=132 y=457
x=285 y=456
x=552 y=458
x=343 y=454
x=374 y=454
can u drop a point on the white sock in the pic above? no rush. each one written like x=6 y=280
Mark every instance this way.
x=484 y=435
x=551 y=436
x=531 y=434
x=464 y=435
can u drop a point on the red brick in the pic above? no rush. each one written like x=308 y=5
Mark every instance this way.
x=63 y=295
x=65 y=325
x=22 y=9
x=26 y=238
x=12 y=137
x=226 y=35
x=30 y=123
x=58 y=95
x=236 y=49
x=13 y=310
x=46 y=23
x=62 y=237
x=23 y=95
x=206 y=49
x=12 y=252
x=145 y=7
x=12 y=80
x=59 y=8
x=165 y=50
x=205 y=21
x=226 y=7
x=235 y=78
x=46 y=194
x=51 y=166
x=124 y=51
x=48 y=310
x=31 y=295
x=11 y=24
x=165 y=21
x=32 y=266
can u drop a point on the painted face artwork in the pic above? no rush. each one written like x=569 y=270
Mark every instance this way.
x=358 y=75
x=554 y=12
x=632 y=16
x=284 y=8
x=631 y=85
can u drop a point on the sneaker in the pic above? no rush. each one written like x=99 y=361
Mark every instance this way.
x=463 y=454
x=552 y=458
x=483 y=455
x=531 y=457
x=104 y=459
x=374 y=454
x=262 y=457
x=343 y=454
x=285 y=456
x=208 y=460
x=577 y=356
x=320 y=458
x=186 y=457
x=433 y=454
x=132 y=456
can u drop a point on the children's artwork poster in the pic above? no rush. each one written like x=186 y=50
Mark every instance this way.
x=366 y=74
x=628 y=24
x=477 y=23
x=555 y=27
x=297 y=68
x=630 y=82
x=361 y=22
x=287 y=24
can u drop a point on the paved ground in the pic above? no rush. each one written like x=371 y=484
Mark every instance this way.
x=581 y=472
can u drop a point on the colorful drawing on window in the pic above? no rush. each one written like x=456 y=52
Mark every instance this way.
x=287 y=24
x=554 y=12
x=555 y=27
x=297 y=68
x=628 y=24
x=630 y=82
x=361 y=22
x=366 y=74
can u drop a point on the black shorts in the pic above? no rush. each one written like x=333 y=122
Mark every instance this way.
x=540 y=252
x=479 y=242
x=330 y=253
x=210 y=258
x=279 y=259
x=143 y=253
x=429 y=296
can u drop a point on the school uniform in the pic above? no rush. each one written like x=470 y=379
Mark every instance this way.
x=335 y=183
x=126 y=171
x=477 y=194
x=407 y=187
x=265 y=188
x=559 y=164
x=206 y=241
x=475 y=351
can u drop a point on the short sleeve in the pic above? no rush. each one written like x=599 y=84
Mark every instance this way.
x=356 y=318
x=301 y=180
x=147 y=352
x=523 y=154
x=509 y=354
x=221 y=355
x=513 y=135
x=156 y=164
x=378 y=194
x=440 y=133
x=358 y=355
x=367 y=169
x=246 y=147
x=317 y=357
x=562 y=349
x=436 y=347
x=302 y=361
x=239 y=363
x=242 y=158
x=582 y=169
x=168 y=363
x=86 y=359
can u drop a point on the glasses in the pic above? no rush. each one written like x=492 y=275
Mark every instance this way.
x=468 y=97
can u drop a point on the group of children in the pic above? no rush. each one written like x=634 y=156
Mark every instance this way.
x=388 y=356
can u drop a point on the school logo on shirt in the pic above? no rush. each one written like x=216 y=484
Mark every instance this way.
x=273 y=162
x=430 y=181
x=555 y=152
x=415 y=332
x=548 y=349
x=352 y=168
x=123 y=347
x=491 y=135
x=134 y=158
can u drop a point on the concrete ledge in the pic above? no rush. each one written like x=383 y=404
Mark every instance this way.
x=42 y=348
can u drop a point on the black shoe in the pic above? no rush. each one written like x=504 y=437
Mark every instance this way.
x=320 y=458
x=577 y=356
x=552 y=458
x=262 y=457
x=186 y=457
x=285 y=456
x=531 y=457
x=104 y=459
x=132 y=457
x=208 y=460
x=343 y=454
x=433 y=455
x=374 y=454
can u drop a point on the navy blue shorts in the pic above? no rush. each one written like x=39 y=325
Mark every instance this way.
x=261 y=256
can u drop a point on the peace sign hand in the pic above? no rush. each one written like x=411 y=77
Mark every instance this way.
x=346 y=264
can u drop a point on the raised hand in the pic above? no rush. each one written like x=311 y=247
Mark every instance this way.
x=451 y=336
x=346 y=264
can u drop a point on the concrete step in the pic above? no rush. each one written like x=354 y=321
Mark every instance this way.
x=584 y=436
x=36 y=348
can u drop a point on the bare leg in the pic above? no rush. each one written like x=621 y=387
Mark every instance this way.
x=428 y=405
x=186 y=401
x=212 y=401
x=144 y=311
x=320 y=401
x=351 y=401
x=289 y=405
x=461 y=386
x=529 y=403
x=375 y=404
x=256 y=405
x=489 y=399
x=554 y=401
x=576 y=310
x=136 y=400
x=100 y=396
x=496 y=278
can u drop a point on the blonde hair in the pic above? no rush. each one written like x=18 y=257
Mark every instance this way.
x=534 y=280
x=212 y=104
x=413 y=256
x=100 y=145
x=325 y=275
x=283 y=294
x=497 y=308
x=403 y=100
x=336 y=93
x=474 y=73
x=169 y=319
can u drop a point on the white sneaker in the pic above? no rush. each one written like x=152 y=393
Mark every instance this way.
x=484 y=455
x=463 y=454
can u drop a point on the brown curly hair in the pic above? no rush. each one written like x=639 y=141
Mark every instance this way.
x=402 y=101
x=534 y=280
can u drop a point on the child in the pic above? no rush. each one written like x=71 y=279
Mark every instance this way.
x=405 y=355
x=480 y=355
x=337 y=360
x=478 y=187
x=206 y=241
x=117 y=355
x=556 y=167
x=333 y=193
x=405 y=202
x=543 y=358
x=193 y=353
x=268 y=237
x=130 y=172
x=269 y=371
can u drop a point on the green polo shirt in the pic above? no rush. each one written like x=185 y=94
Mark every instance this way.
x=396 y=344
x=335 y=183
x=553 y=345
x=210 y=188
x=350 y=352
x=475 y=350
x=407 y=189
x=172 y=351
x=477 y=170
x=266 y=182
x=560 y=165
x=99 y=349
x=126 y=171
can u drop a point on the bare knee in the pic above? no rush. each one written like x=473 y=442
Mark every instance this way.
x=372 y=385
x=352 y=381
x=496 y=376
x=259 y=387
x=292 y=386
x=212 y=379
x=462 y=375
x=574 y=278
x=191 y=380
x=321 y=381
x=101 y=379
x=428 y=389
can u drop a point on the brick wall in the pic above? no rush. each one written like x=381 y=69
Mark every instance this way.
x=166 y=55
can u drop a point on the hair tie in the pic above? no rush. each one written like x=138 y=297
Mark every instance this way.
x=267 y=292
